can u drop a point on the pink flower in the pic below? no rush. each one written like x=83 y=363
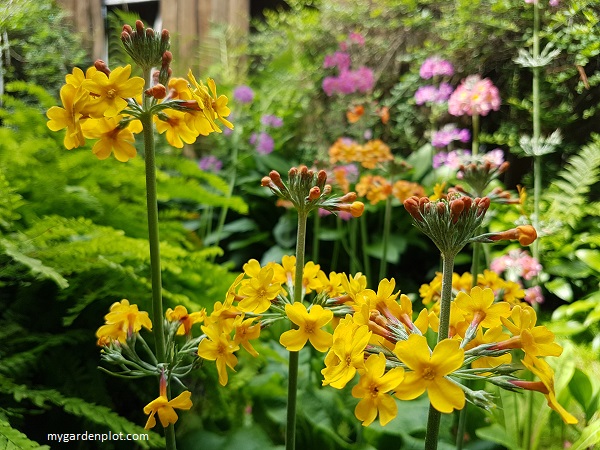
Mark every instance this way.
x=341 y=60
x=448 y=134
x=435 y=66
x=357 y=38
x=474 y=96
x=534 y=295
x=517 y=264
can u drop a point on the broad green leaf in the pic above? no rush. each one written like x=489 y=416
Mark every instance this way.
x=589 y=257
x=561 y=288
x=589 y=437
x=581 y=388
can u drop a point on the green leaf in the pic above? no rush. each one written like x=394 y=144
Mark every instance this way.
x=581 y=388
x=561 y=288
x=396 y=245
x=589 y=437
x=590 y=257
x=12 y=439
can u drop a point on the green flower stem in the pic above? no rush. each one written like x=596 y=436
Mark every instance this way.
x=316 y=242
x=290 y=432
x=475 y=141
x=365 y=241
x=387 y=222
x=153 y=239
x=537 y=163
x=434 y=418
x=353 y=262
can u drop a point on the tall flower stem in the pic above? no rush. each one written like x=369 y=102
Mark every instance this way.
x=387 y=222
x=475 y=141
x=434 y=418
x=365 y=240
x=232 y=179
x=154 y=241
x=290 y=432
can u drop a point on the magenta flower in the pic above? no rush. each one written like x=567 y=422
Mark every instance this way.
x=357 y=38
x=341 y=60
x=474 y=96
x=534 y=295
x=430 y=94
x=243 y=94
x=436 y=66
x=349 y=82
x=452 y=160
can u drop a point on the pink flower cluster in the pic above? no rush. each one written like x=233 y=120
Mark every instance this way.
x=436 y=66
x=452 y=160
x=518 y=264
x=348 y=81
x=474 y=96
x=431 y=94
x=448 y=134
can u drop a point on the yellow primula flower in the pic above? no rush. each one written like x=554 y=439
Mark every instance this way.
x=165 y=409
x=219 y=104
x=112 y=90
x=310 y=280
x=512 y=292
x=113 y=137
x=428 y=372
x=372 y=389
x=244 y=331
x=355 y=286
x=69 y=116
x=438 y=191
x=480 y=309
x=218 y=347
x=177 y=127
x=490 y=336
x=332 y=285
x=346 y=354
x=309 y=327
x=544 y=372
x=259 y=291
x=122 y=321
x=181 y=315
x=490 y=280
x=385 y=291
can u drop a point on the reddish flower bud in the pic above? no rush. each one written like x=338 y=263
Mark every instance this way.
x=527 y=234
x=139 y=26
x=467 y=202
x=412 y=206
x=102 y=67
x=276 y=178
x=347 y=198
x=265 y=181
x=164 y=35
x=167 y=58
x=125 y=36
x=127 y=29
x=293 y=172
x=149 y=33
x=158 y=91
x=314 y=193
x=503 y=167
x=456 y=208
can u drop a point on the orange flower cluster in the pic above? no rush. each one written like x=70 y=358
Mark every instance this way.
x=377 y=188
x=368 y=155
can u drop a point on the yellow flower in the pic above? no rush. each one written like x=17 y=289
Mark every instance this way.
x=219 y=104
x=113 y=138
x=544 y=372
x=512 y=292
x=310 y=280
x=374 y=187
x=112 y=90
x=428 y=372
x=492 y=335
x=210 y=106
x=355 y=286
x=431 y=292
x=166 y=409
x=331 y=286
x=309 y=327
x=217 y=346
x=244 y=331
x=177 y=127
x=385 y=291
x=438 y=191
x=68 y=116
x=490 y=279
x=403 y=190
x=372 y=389
x=480 y=309
x=180 y=314
x=259 y=291
x=346 y=354
x=122 y=321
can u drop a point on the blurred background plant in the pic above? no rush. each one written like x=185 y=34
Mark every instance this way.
x=215 y=216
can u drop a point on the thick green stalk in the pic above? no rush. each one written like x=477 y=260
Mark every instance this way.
x=290 y=432
x=387 y=222
x=475 y=140
x=316 y=241
x=434 y=418
x=153 y=239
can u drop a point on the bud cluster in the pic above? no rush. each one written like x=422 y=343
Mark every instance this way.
x=496 y=195
x=450 y=223
x=307 y=190
x=147 y=48
x=479 y=174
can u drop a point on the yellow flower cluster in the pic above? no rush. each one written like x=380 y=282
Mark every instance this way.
x=107 y=105
x=122 y=322
x=368 y=155
x=387 y=349
x=377 y=188
x=508 y=291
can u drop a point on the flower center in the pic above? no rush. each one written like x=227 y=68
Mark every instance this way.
x=429 y=373
x=374 y=389
x=111 y=93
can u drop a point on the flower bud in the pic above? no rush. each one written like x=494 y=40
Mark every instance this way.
x=314 y=193
x=102 y=67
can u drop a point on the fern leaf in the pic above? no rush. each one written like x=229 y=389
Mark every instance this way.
x=94 y=413
x=35 y=266
x=12 y=439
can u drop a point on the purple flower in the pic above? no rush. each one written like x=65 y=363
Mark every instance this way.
x=448 y=134
x=494 y=157
x=426 y=94
x=210 y=163
x=350 y=81
x=341 y=60
x=435 y=66
x=331 y=85
x=263 y=142
x=364 y=79
x=243 y=94
x=269 y=120
x=452 y=160
x=444 y=92
x=357 y=38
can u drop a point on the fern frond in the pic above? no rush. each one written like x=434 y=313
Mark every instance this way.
x=567 y=196
x=12 y=439
x=100 y=415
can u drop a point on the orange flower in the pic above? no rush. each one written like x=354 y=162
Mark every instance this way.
x=355 y=113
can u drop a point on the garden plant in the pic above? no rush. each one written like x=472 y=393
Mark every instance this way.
x=385 y=235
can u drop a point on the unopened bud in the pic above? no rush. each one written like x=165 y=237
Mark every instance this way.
x=276 y=178
x=158 y=91
x=412 y=206
x=327 y=189
x=456 y=208
x=139 y=26
x=102 y=67
x=167 y=58
x=149 y=32
x=266 y=181
x=347 y=198
x=127 y=29
x=164 y=35
x=314 y=193
x=321 y=177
